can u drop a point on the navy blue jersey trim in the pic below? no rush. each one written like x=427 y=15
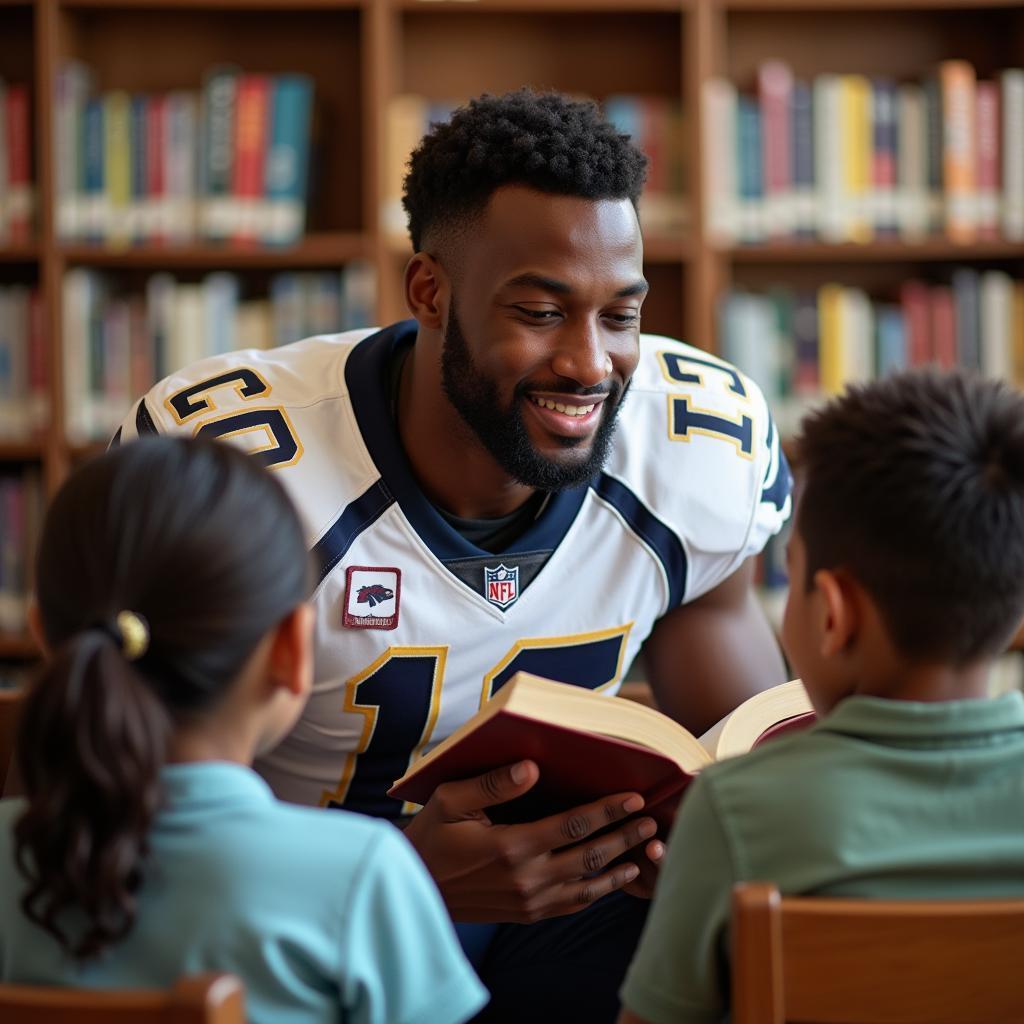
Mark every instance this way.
x=358 y=515
x=143 y=421
x=651 y=530
x=367 y=374
x=778 y=492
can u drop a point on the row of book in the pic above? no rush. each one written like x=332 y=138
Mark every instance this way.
x=116 y=345
x=21 y=514
x=24 y=388
x=655 y=123
x=16 y=190
x=800 y=346
x=848 y=158
x=227 y=163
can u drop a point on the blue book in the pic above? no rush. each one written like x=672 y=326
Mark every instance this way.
x=891 y=339
x=802 y=156
x=283 y=219
x=138 y=206
x=750 y=171
x=93 y=181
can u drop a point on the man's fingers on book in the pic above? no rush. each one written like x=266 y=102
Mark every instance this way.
x=590 y=857
x=575 y=825
x=456 y=799
x=589 y=890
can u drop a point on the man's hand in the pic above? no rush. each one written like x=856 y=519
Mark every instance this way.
x=523 y=873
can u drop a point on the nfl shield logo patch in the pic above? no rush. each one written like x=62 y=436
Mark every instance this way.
x=501 y=586
x=371 y=597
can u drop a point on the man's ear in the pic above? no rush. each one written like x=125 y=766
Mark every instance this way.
x=35 y=626
x=290 y=660
x=839 y=610
x=427 y=289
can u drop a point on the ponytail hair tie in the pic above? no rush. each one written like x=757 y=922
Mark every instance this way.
x=133 y=635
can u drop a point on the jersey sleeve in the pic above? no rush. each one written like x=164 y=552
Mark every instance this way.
x=402 y=961
x=699 y=450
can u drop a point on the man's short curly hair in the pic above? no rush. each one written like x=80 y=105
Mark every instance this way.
x=544 y=141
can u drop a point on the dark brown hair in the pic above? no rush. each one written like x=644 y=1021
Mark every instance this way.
x=915 y=485
x=202 y=543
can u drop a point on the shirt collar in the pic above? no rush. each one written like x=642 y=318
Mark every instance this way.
x=213 y=782
x=915 y=720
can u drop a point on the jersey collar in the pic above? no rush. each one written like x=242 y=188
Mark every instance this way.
x=367 y=377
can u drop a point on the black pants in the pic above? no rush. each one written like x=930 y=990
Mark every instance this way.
x=564 y=969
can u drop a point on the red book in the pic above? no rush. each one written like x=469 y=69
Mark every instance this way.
x=914 y=303
x=19 y=178
x=943 y=323
x=987 y=158
x=154 y=227
x=252 y=116
x=589 y=745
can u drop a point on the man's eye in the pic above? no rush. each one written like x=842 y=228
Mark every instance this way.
x=538 y=314
x=624 y=319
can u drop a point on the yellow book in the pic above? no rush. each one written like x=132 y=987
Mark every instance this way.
x=117 y=160
x=957 y=81
x=831 y=358
x=857 y=149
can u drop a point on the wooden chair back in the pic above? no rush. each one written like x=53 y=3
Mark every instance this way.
x=10 y=705
x=195 y=999
x=842 y=961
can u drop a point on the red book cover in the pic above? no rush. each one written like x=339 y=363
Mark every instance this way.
x=943 y=317
x=252 y=114
x=156 y=186
x=775 y=95
x=914 y=303
x=575 y=768
x=19 y=209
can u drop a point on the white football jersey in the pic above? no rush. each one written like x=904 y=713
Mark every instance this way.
x=416 y=626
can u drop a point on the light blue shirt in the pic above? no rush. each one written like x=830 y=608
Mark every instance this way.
x=325 y=915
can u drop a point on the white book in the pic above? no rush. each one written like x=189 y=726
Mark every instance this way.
x=720 y=160
x=220 y=303
x=74 y=83
x=997 y=324
x=187 y=343
x=1012 y=91
x=828 y=158
x=859 y=335
x=911 y=163
x=76 y=291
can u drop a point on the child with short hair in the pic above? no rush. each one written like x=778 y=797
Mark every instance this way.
x=906 y=568
x=171 y=585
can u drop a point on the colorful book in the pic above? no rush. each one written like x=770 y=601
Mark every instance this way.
x=287 y=169
x=251 y=131
x=957 y=82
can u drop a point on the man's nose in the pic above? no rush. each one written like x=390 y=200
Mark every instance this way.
x=582 y=356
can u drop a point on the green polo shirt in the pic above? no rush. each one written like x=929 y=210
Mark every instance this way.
x=885 y=799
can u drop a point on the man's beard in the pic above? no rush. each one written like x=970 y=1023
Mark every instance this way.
x=503 y=432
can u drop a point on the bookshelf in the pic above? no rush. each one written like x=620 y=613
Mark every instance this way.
x=362 y=53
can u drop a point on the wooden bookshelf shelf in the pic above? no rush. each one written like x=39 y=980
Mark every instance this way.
x=27 y=253
x=218 y=5
x=866 y=6
x=21 y=451
x=546 y=6
x=20 y=646
x=937 y=250
x=315 y=250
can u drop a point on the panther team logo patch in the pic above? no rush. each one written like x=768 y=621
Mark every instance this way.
x=501 y=586
x=371 y=597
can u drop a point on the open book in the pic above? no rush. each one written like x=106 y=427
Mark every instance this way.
x=588 y=745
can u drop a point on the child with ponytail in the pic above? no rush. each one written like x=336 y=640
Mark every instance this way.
x=171 y=586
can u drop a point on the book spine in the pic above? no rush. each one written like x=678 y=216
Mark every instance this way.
x=831 y=355
x=219 y=105
x=19 y=165
x=1018 y=333
x=719 y=99
x=968 y=317
x=251 y=130
x=804 y=219
x=996 y=324
x=117 y=161
x=181 y=159
x=891 y=340
x=828 y=157
x=74 y=83
x=287 y=171
x=884 y=156
x=934 y=154
x=139 y=203
x=806 y=373
x=914 y=303
x=943 y=327
x=1012 y=82
x=775 y=97
x=857 y=144
x=38 y=377
x=957 y=79
x=94 y=170
x=155 y=218
x=987 y=158
x=912 y=166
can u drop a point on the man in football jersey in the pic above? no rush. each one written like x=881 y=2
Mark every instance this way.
x=514 y=479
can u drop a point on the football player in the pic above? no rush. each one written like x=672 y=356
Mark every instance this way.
x=516 y=478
